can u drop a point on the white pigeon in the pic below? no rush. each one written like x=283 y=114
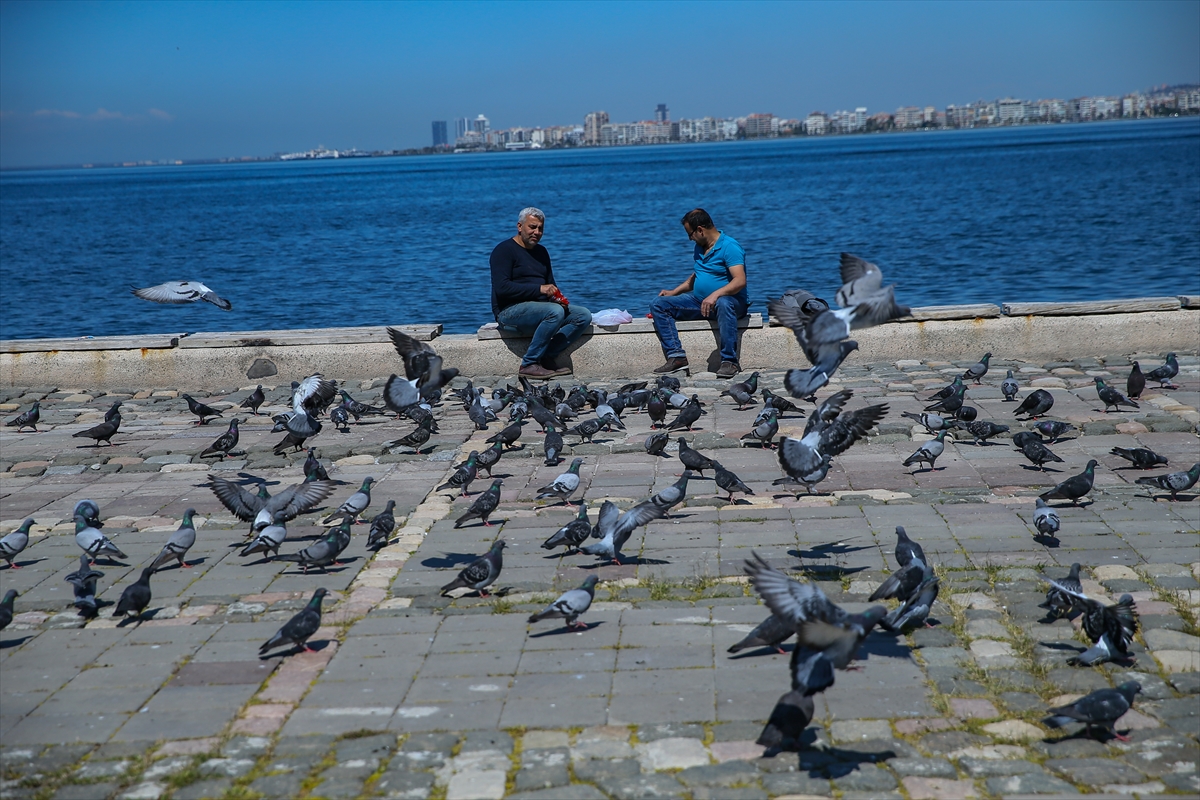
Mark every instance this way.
x=179 y=292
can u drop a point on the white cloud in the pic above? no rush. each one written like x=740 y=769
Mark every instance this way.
x=53 y=112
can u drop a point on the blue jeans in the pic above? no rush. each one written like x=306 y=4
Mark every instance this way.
x=666 y=310
x=553 y=328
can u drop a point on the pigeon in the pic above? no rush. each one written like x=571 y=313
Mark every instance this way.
x=298 y=629
x=400 y=394
x=1135 y=384
x=542 y=416
x=93 y=542
x=914 y=611
x=791 y=715
x=12 y=544
x=564 y=485
x=6 y=608
x=780 y=403
x=254 y=400
x=1174 y=482
x=83 y=585
x=656 y=407
x=975 y=372
x=358 y=409
x=805 y=383
x=655 y=443
x=1038 y=453
x=742 y=392
x=508 y=436
x=766 y=430
x=1059 y=604
x=904 y=582
x=1053 y=429
x=967 y=414
x=907 y=550
x=1045 y=519
x=605 y=409
x=180 y=542
x=802 y=460
x=413 y=439
x=1035 y=404
x=1111 y=397
x=321 y=553
x=667 y=382
x=928 y=452
x=355 y=504
x=480 y=573
x=479 y=415
x=674 y=494
x=269 y=538
x=587 y=429
x=224 y=443
x=771 y=632
x=1098 y=710
x=570 y=605
x=487 y=459
x=1074 y=487
x=552 y=445
x=200 y=410
x=729 y=482
x=462 y=476
x=136 y=596
x=1140 y=457
x=484 y=505
x=573 y=534
x=416 y=354
x=382 y=526
x=90 y=511
x=950 y=404
x=314 y=470
x=564 y=413
x=1009 y=387
x=28 y=419
x=102 y=432
x=291 y=502
x=1021 y=438
x=932 y=422
x=693 y=459
x=1110 y=628
x=340 y=418
x=614 y=528
x=689 y=413
x=982 y=430
x=1164 y=373
x=180 y=293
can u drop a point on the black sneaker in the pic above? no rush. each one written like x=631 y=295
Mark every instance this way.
x=728 y=369
x=672 y=365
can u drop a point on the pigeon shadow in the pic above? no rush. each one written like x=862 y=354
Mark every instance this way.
x=19 y=564
x=885 y=647
x=765 y=650
x=1063 y=646
x=15 y=642
x=827 y=572
x=108 y=561
x=449 y=560
x=482 y=524
x=564 y=630
x=96 y=445
x=195 y=562
x=1047 y=541
x=828 y=550
x=1181 y=498
x=1039 y=469
x=295 y=650
x=849 y=760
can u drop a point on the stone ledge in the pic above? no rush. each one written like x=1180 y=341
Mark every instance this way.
x=643 y=325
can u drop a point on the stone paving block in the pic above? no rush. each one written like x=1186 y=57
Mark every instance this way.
x=1030 y=783
x=572 y=792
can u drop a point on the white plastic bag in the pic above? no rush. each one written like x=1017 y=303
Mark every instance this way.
x=611 y=316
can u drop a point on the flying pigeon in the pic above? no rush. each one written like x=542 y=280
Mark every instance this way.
x=1074 y=487
x=6 y=608
x=614 y=528
x=181 y=292
x=269 y=538
x=1009 y=387
x=200 y=410
x=12 y=544
x=771 y=632
x=982 y=430
x=180 y=542
x=573 y=534
x=1059 y=603
x=254 y=400
x=484 y=505
x=299 y=628
x=570 y=605
x=136 y=596
x=1053 y=429
x=462 y=477
x=27 y=419
x=729 y=482
x=1038 y=453
x=355 y=504
x=1045 y=519
x=1140 y=457
x=975 y=372
x=928 y=452
x=1164 y=373
x=1110 y=628
x=1097 y=710
x=1035 y=404
x=291 y=502
x=564 y=485
x=224 y=443
x=655 y=443
x=480 y=573
x=693 y=459
x=93 y=542
x=1173 y=482
x=1111 y=397
x=416 y=354
x=382 y=526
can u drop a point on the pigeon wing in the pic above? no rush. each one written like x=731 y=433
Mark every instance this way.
x=240 y=502
x=172 y=292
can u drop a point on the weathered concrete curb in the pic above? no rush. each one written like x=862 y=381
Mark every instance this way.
x=1031 y=337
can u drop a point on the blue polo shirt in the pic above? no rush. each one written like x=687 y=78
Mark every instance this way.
x=712 y=268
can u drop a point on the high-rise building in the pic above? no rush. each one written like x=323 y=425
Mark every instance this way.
x=661 y=114
x=461 y=126
x=440 y=138
x=481 y=125
x=592 y=124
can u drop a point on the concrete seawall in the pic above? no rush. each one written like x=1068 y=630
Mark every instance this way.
x=162 y=361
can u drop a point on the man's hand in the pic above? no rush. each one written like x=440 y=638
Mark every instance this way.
x=709 y=304
x=667 y=293
x=549 y=290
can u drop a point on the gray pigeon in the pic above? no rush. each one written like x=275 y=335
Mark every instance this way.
x=931 y=421
x=299 y=628
x=180 y=293
x=269 y=537
x=655 y=443
x=913 y=612
x=291 y=502
x=382 y=526
x=12 y=544
x=766 y=430
x=322 y=553
x=570 y=605
x=83 y=583
x=1098 y=710
x=355 y=504
x=1164 y=373
x=1059 y=603
x=564 y=485
x=928 y=452
x=975 y=372
x=1045 y=519
x=90 y=511
x=1010 y=387
x=93 y=542
x=28 y=419
x=729 y=482
x=674 y=494
x=787 y=722
x=742 y=392
x=480 y=573
x=484 y=505
x=180 y=542
x=6 y=608
x=771 y=632
x=573 y=534
x=1174 y=482
x=613 y=528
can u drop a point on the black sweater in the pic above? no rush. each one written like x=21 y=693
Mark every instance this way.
x=518 y=274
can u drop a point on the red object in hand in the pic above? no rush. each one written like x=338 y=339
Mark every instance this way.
x=558 y=297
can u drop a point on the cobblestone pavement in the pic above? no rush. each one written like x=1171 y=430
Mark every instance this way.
x=410 y=695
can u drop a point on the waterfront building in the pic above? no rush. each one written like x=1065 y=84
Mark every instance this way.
x=1010 y=110
x=661 y=114
x=481 y=125
x=440 y=139
x=760 y=126
x=592 y=125
x=909 y=117
x=461 y=126
x=815 y=123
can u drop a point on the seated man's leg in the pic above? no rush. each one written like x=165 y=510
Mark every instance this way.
x=539 y=320
x=729 y=311
x=576 y=323
x=665 y=311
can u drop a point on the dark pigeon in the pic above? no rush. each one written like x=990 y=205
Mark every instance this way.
x=340 y=418
x=1165 y=373
x=780 y=403
x=484 y=505
x=552 y=445
x=314 y=470
x=254 y=400
x=949 y=404
x=413 y=439
x=1038 y=453
x=508 y=436
x=136 y=596
x=907 y=549
x=914 y=611
x=1053 y=429
x=1135 y=384
x=297 y=630
x=742 y=392
x=729 y=482
x=488 y=458
x=1035 y=404
x=480 y=573
x=693 y=459
x=102 y=432
x=688 y=415
x=1058 y=603
x=1099 y=710
x=1111 y=397
x=573 y=534
x=1140 y=457
x=6 y=608
x=463 y=476
x=224 y=443
x=1021 y=438
x=771 y=632
x=587 y=429
x=205 y=413
x=83 y=586
x=982 y=430
x=28 y=419
x=382 y=526
x=787 y=722
x=1074 y=487
x=656 y=407
x=655 y=443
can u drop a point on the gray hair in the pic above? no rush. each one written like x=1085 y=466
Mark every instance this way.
x=530 y=212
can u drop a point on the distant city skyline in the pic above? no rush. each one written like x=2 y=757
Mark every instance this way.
x=112 y=82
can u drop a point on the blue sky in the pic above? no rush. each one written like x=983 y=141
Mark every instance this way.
x=112 y=81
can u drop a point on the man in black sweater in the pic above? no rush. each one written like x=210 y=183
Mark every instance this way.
x=525 y=299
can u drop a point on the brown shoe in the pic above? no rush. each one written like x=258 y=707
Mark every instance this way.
x=672 y=365
x=728 y=369
x=536 y=371
x=552 y=365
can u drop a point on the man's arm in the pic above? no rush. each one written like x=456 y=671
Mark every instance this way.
x=737 y=282
x=502 y=264
x=682 y=288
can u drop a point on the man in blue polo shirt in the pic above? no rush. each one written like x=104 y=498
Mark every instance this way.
x=716 y=287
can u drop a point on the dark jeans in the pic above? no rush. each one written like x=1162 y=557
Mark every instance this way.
x=553 y=328
x=666 y=310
